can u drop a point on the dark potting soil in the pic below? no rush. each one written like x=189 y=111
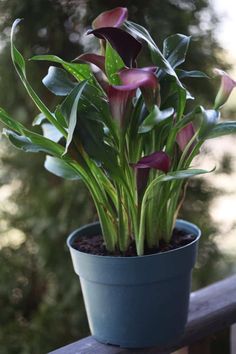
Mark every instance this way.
x=95 y=245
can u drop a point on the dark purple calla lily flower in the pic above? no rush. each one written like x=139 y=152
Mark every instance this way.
x=96 y=59
x=120 y=102
x=158 y=160
x=120 y=97
x=135 y=78
x=112 y=18
x=226 y=87
x=184 y=136
x=146 y=80
x=126 y=45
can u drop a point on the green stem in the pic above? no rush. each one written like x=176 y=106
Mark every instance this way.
x=105 y=212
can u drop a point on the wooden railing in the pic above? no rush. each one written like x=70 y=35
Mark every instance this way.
x=212 y=309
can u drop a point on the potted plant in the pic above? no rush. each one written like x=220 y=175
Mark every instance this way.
x=129 y=134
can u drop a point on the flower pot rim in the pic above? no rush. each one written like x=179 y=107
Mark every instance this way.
x=179 y=222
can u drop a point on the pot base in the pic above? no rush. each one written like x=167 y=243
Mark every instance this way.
x=135 y=345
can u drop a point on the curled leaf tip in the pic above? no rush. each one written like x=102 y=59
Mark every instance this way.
x=14 y=25
x=111 y=18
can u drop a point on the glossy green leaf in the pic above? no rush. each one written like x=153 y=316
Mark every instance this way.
x=38 y=120
x=11 y=123
x=220 y=129
x=209 y=119
x=158 y=58
x=92 y=136
x=194 y=73
x=182 y=174
x=175 y=48
x=69 y=110
x=196 y=114
x=93 y=105
x=34 y=143
x=51 y=133
x=155 y=116
x=60 y=168
x=113 y=63
x=176 y=97
x=86 y=124
x=58 y=82
x=79 y=71
x=173 y=176
x=60 y=118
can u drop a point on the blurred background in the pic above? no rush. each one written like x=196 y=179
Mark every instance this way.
x=40 y=300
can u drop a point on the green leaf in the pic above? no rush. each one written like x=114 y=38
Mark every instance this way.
x=194 y=73
x=183 y=174
x=34 y=143
x=58 y=82
x=175 y=48
x=49 y=130
x=224 y=128
x=79 y=71
x=93 y=105
x=39 y=119
x=173 y=176
x=60 y=168
x=19 y=64
x=158 y=58
x=206 y=120
x=113 y=63
x=60 y=118
x=209 y=119
x=92 y=136
x=196 y=114
x=11 y=123
x=69 y=110
x=84 y=113
x=155 y=116
x=176 y=97
x=51 y=133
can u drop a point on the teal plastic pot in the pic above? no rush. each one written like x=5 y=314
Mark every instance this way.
x=136 y=302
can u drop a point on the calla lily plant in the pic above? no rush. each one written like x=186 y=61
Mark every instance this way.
x=123 y=129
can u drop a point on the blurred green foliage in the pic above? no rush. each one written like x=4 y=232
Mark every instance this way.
x=40 y=300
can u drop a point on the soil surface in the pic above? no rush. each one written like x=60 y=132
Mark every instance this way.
x=95 y=245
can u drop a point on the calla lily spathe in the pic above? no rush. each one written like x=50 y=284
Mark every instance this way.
x=111 y=18
x=184 y=136
x=117 y=37
x=158 y=160
x=120 y=96
x=226 y=87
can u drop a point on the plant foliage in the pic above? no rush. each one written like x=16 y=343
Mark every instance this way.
x=125 y=130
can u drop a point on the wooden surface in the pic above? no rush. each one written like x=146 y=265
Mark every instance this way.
x=211 y=309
